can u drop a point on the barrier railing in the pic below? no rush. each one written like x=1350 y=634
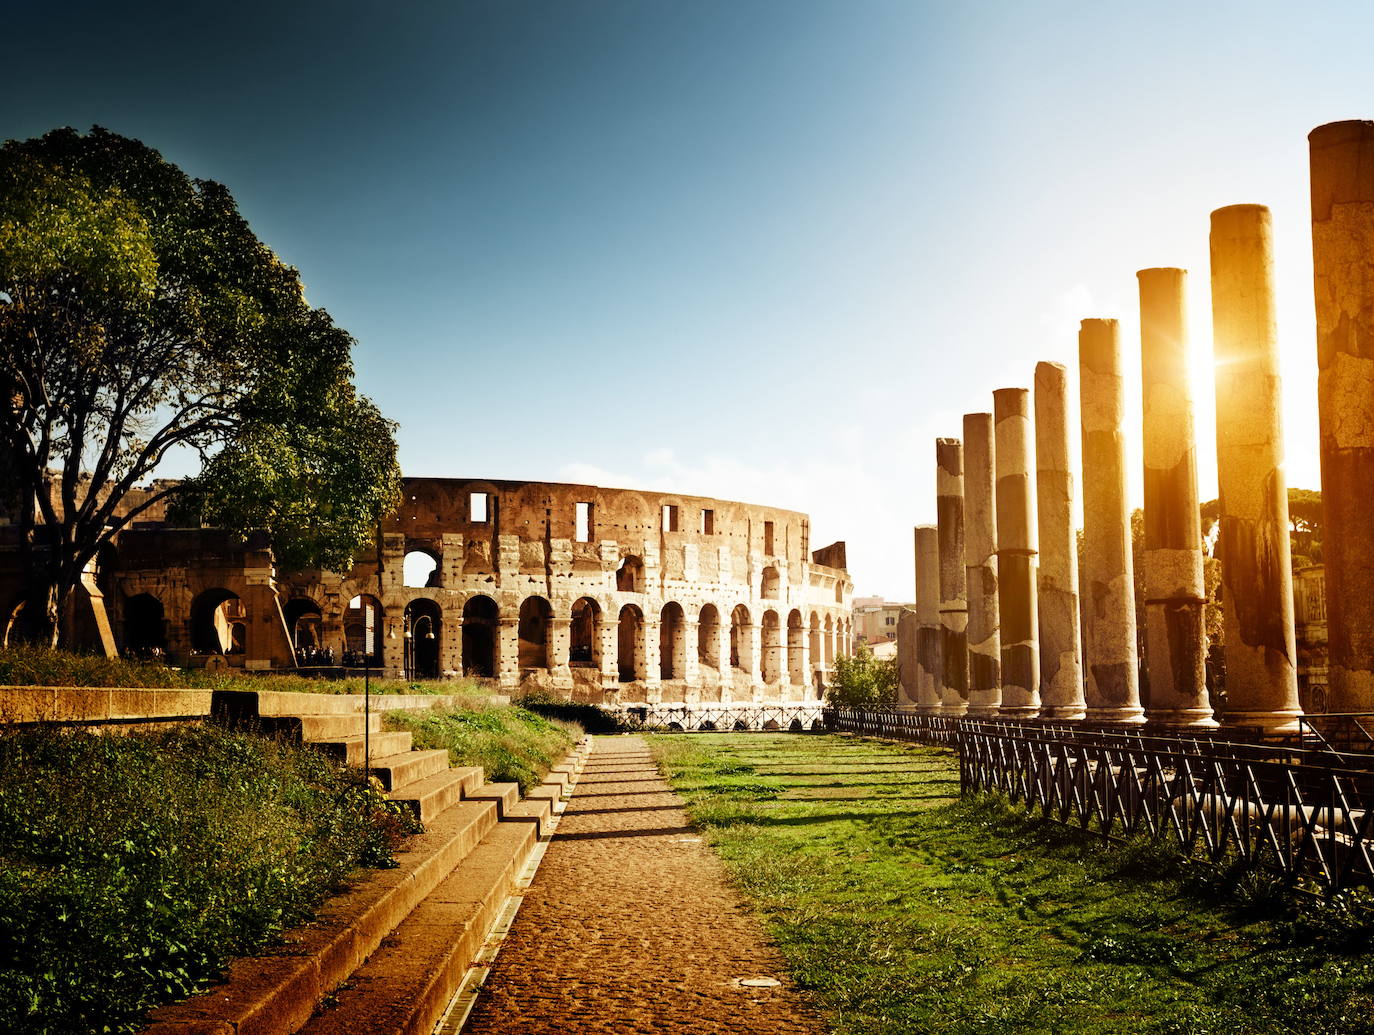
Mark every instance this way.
x=1287 y=810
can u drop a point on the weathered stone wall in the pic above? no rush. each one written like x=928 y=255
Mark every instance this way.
x=650 y=597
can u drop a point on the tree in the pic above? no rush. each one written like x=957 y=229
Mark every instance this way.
x=139 y=315
x=863 y=681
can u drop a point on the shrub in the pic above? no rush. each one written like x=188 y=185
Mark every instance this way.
x=133 y=867
x=863 y=681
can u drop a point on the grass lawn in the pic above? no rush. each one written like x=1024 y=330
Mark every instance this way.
x=905 y=909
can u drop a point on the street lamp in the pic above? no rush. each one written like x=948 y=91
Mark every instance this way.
x=369 y=638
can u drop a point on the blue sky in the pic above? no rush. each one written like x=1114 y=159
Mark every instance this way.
x=755 y=250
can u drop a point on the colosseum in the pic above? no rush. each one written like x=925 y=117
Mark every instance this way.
x=605 y=596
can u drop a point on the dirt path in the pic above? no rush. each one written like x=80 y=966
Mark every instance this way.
x=630 y=925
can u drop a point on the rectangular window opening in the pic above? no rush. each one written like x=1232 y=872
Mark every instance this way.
x=477 y=507
x=669 y=517
x=768 y=537
x=583 y=533
x=708 y=522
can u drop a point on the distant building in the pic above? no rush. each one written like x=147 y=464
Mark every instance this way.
x=875 y=620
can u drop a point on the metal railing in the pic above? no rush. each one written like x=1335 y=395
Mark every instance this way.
x=722 y=718
x=1295 y=812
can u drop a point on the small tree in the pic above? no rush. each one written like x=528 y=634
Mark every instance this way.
x=863 y=681
x=140 y=315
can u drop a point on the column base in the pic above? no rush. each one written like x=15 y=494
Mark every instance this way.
x=984 y=704
x=1198 y=718
x=1283 y=721
x=1025 y=711
x=1133 y=716
x=1063 y=712
x=953 y=711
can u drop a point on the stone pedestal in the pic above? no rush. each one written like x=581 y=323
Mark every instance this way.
x=949 y=506
x=980 y=567
x=1109 y=633
x=929 y=671
x=1061 y=674
x=1016 y=546
x=1342 y=238
x=1175 y=640
x=1256 y=569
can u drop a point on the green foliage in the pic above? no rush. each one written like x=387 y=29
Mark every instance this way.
x=511 y=744
x=588 y=717
x=863 y=681
x=138 y=314
x=905 y=909
x=133 y=867
x=29 y=665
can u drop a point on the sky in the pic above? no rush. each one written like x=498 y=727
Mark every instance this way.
x=764 y=250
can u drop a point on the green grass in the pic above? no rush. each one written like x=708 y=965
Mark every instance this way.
x=511 y=744
x=904 y=909
x=25 y=665
x=133 y=867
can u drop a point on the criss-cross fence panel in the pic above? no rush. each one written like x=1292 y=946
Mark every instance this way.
x=1279 y=810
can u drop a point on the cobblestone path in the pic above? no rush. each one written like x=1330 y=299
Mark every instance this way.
x=630 y=926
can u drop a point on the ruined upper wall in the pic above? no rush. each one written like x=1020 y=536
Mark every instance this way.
x=545 y=511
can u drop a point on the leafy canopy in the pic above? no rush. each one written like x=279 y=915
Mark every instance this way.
x=863 y=681
x=139 y=314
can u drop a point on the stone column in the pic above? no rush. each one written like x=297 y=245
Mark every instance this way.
x=1061 y=674
x=949 y=504
x=929 y=672
x=690 y=661
x=1342 y=236
x=608 y=629
x=1175 y=639
x=1113 y=682
x=560 y=645
x=508 y=652
x=753 y=633
x=726 y=672
x=1016 y=546
x=980 y=567
x=1256 y=569
x=651 y=671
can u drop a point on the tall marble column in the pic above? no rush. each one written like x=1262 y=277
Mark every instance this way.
x=1113 y=682
x=1061 y=674
x=1342 y=155
x=1256 y=568
x=949 y=508
x=1016 y=546
x=980 y=567
x=929 y=671
x=1175 y=639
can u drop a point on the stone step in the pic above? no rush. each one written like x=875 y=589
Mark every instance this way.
x=332 y=727
x=350 y=749
x=431 y=795
x=275 y=993
x=408 y=766
x=506 y=796
x=405 y=985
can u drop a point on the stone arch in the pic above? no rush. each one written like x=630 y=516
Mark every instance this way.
x=424 y=629
x=362 y=624
x=536 y=615
x=481 y=620
x=629 y=577
x=304 y=622
x=628 y=635
x=796 y=641
x=145 y=626
x=741 y=640
x=829 y=642
x=708 y=637
x=672 y=642
x=771 y=642
x=420 y=569
x=584 y=634
x=769 y=584
x=219 y=623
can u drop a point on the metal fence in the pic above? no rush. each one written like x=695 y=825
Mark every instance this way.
x=1295 y=813
x=723 y=718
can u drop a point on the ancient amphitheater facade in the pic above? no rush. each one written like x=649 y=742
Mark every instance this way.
x=599 y=595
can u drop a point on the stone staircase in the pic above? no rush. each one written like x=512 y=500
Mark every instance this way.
x=387 y=955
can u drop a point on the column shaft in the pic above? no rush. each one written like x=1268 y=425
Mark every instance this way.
x=949 y=506
x=1016 y=546
x=1342 y=156
x=929 y=672
x=1113 y=682
x=1175 y=639
x=980 y=567
x=1256 y=568
x=1061 y=675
